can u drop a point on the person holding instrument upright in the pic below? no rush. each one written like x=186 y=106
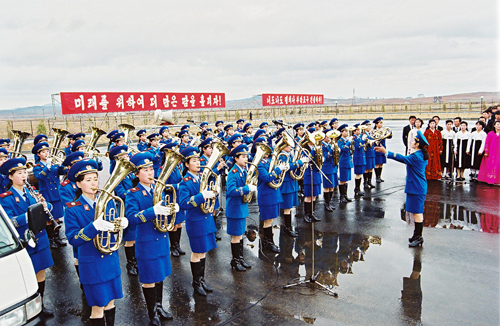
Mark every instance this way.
x=416 y=183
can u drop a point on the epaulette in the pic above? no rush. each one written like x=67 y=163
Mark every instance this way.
x=135 y=189
x=186 y=179
x=202 y=159
x=73 y=204
x=36 y=165
x=235 y=170
x=65 y=182
x=5 y=194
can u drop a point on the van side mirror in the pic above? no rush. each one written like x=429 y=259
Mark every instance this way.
x=29 y=239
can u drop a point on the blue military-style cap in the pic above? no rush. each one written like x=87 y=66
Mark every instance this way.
x=342 y=127
x=279 y=132
x=240 y=149
x=206 y=142
x=40 y=138
x=233 y=138
x=378 y=119
x=78 y=136
x=421 y=138
x=263 y=124
x=13 y=164
x=170 y=145
x=219 y=122
x=4 y=141
x=312 y=124
x=356 y=125
x=326 y=130
x=183 y=132
x=189 y=152
x=298 y=126
x=259 y=133
x=141 y=132
x=118 y=150
x=246 y=126
x=73 y=158
x=227 y=127
x=240 y=121
x=111 y=134
x=312 y=129
x=366 y=122
x=185 y=127
x=142 y=159
x=203 y=124
x=324 y=123
x=81 y=168
x=118 y=136
x=40 y=147
x=79 y=143
x=162 y=129
x=69 y=136
x=153 y=136
x=4 y=152
x=333 y=121
x=256 y=141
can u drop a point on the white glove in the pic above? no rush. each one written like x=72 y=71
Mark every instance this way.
x=124 y=222
x=177 y=208
x=207 y=194
x=101 y=225
x=252 y=188
x=161 y=210
x=49 y=162
x=90 y=153
x=305 y=159
x=287 y=166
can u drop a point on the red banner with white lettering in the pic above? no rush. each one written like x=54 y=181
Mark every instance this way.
x=78 y=103
x=292 y=99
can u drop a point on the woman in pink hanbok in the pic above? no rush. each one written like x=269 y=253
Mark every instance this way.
x=489 y=171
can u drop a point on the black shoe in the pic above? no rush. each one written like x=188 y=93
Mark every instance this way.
x=53 y=244
x=109 y=316
x=162 y=313
x=418 y=241
x=206 y=287
x=410 y=240
x=51 y=236
x=307 y=219
x=315 y=217
x=174 y=252
x=57 y=239
x=290 y=231
x=131 y=268
x=218 y=236
x=178 y=242
x=240 y=256
x=329 y=208
x=366 y=185
x=197 y=270
x=179 y=250
x=270 y=245
x=235 y=265
x=150 y=297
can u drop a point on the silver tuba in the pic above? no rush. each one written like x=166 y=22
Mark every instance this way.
x=219 y=150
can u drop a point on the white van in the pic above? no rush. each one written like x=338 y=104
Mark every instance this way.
x=20 y=302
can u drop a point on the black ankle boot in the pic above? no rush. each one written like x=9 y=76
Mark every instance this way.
x=173 y=248
x=307 y=212
x=240 y=256
x=150 y=297
x=288 y=225
x=418 y=241
x=51 y=236
x=345 y=193
x=57 y=235
x=46 y=311
x=130 y=255
x=335 y=193
x=178 y=242
x=328 y=197
x=97 y=321
x=206 y=287
x=268 y=241
x=235 y=261
x=109 y=316
x=217 y=213
x=365 y=181
x=357 y=190
x=196 y=270
x=370 y=175
x=314 y=217
x=162 y=313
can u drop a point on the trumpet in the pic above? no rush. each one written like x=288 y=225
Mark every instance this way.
x=34 y=193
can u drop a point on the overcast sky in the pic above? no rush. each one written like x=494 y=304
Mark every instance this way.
x=383 y=48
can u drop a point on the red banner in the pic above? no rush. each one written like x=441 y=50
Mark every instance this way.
x=292 y=99
x=78 y=103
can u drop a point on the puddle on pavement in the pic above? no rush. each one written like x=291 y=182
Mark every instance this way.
x=447 y=216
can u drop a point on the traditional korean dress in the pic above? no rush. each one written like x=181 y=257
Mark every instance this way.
x=433 y=170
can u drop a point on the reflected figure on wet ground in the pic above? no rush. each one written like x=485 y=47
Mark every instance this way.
x=411 y=295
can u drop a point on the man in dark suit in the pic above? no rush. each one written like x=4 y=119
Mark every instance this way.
x=456 y=124
x=436 y=118
x=406 y=130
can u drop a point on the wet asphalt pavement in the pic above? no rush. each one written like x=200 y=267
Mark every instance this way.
x=360 y=251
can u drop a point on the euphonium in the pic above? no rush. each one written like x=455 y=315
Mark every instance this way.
x=96 y=133
x=17 y=143
x=126 y=128
x=286 y=140
x=105 y=242
x=318 y=137
x=219 y=150
x=56 y=153
x=351 y=130
x=334 y=134
x=253 y=173
x=172 y=159
x=306 y=139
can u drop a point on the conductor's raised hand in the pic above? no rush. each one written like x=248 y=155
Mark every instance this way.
x=380 y=149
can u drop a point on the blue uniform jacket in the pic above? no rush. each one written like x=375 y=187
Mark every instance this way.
x=150 y=243
x=124 y=186
x=198 y=224
x=312 y=169
x=221 y=135
x=290 y=185
x=67 y=191
x=247 y=139
x=16 y=208
x=370 y=152
x=48 y=180
x=174 y=179
x=67 y=150
x=345 y=161
x=329 y=166
x=416 y=183
x=4 y=181
x=358 y=157
x=235 y=190
x=157 y=156
x=267 y=196
x=95 y=267
x=142 y=146
x=165 y=140
x=382 y=143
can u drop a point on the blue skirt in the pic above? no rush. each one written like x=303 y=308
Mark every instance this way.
x=57 y=209
x=359 y=169
x=203 y=244
x=415 y=203
x=130 y=233
x=102 y=293
x=289 y=200
x=333 y=178
x=269 y=212
x=315 y=191
x=153 y=271
x=370 y=163
x=345 y=175
x=236 y=226
x=380 y=159
x=42 y=259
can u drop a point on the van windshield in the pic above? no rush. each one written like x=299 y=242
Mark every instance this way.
x=7 y=238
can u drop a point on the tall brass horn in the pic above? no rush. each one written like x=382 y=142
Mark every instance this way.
x=253 y=173
x=96 y=133
x=306 y=139
x=172 y=159
x=17 y=143
x=286 y=140
x=56 y=153
x=105 y=241
x=219 y=150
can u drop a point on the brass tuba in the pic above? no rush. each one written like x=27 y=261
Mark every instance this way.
x=17 y=143
x=219 y=150
x=105 y=241
x=253 y=173
x=334 y=134
x=318 y=137
x=96 y=134
x=276 y=159
x=172 y=159
x=56 y=153
x=306 y=139
x=127 y=129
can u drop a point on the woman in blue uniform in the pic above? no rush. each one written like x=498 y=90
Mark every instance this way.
x=219 y=131
x=184 y=137
x=358 y=160
x=67 y=149
x=154 y=149
x=100 y=274
x=110 y=136
x=236 y=209
x=330 y=170
x=345 y=162
x=4 y=180
x=41 y=138
x=369 y=157
x=48 y=183
x=380 y=159
x=164 y=135
x=142 y=144
x=229 y=131
x=15 y=202
x=200 y=227
x=239 y=125
x=312 y=186
x=247 y=134
x=152 y=248
x=416 y=183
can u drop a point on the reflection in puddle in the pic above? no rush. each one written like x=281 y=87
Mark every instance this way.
x=447 y=216
x=309 y=320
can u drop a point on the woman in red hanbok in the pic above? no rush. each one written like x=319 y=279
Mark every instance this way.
x=489 y=171
x=433 y=170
